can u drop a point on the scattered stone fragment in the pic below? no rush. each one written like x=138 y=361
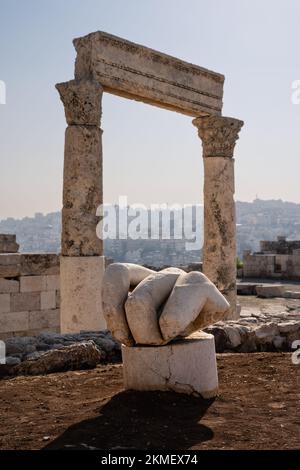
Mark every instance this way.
x=77 y=356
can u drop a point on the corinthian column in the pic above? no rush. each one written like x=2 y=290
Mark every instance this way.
x=219 y=135
x=82 y=263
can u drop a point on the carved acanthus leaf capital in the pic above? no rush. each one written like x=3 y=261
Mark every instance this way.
x=82 y=101
x=218 y=134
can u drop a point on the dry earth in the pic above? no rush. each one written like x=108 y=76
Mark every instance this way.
x=257 y=408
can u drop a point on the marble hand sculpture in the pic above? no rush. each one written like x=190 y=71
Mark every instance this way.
x=146 y=307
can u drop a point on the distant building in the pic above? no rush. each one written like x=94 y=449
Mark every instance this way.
x=276 y=259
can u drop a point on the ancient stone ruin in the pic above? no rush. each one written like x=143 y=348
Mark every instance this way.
x=106 y=63
x=276 y=259
x=8 y=243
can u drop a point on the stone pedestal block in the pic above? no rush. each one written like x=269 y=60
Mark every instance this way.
x=81 y=300
x=183 y=366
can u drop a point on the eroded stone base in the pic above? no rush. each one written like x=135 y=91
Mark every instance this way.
x=185 y=366
x=81 y=302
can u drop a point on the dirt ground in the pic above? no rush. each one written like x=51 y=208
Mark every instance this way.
x=258 y=407
x=251 y=305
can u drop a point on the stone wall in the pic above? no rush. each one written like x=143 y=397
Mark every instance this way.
x=280 y=246
x=8 y=243
x=276 y=266
x=258 y=265
x=29 y=294
x=277 y=259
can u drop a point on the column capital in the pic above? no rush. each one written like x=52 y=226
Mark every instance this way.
x=82 y=101
x=218 y=134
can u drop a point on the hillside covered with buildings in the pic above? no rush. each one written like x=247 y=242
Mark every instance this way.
x=257 y=220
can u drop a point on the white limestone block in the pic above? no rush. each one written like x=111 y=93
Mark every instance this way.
x=8 y=285
x=23 y=301
x=52 y=282
x=268 y=292
x=14 y=321
x=41 y=320
x=4 y=303
x=32 y=283
x=81 y=302
x=48 y=299
x=194 y=303
x=184 y=366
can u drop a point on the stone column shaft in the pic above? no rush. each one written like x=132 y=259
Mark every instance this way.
x=82 y=183
x=219 y=135
x=82 y=263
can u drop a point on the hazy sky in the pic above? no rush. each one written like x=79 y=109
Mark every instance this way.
x=150 y=155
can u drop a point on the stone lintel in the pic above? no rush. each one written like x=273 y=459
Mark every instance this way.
x=133 y=71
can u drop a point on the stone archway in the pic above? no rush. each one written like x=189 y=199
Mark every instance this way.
x=106 y=63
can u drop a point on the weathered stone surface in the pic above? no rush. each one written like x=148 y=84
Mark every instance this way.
x=272 y=255
x=8 y=243
x=289 y=294
x=57 y=298
x=77 y=356
x=44 y=319
x=12 y=361
x=233 y=335
x=268 y=292
x=79 y=236
x=82 y=101
x=193 y=304
x=266 y=332
x=13 y=322
x=4 y=303
x=143 y=304
x=271 y=332
x=8 y=286
x=82 y=168
x=219 y=262
x=134 y=71
x=81 y=299
x=246 y=288
x=279 y=342
x=52 y=282
x=39 y=264
x=28 y=264
x=10 y=265
x=219 y=135
x=48 y=300
x=20 y=302
x=24 y=348
x=118 y=279
x=185 y=366
x=82 y=192
x=289 y=326
x=32 y=283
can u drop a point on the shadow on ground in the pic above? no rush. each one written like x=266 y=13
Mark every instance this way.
x=140 y=420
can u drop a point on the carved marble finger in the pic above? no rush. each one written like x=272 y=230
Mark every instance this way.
x=144 y=303
x=194 y=303
x=117 y=280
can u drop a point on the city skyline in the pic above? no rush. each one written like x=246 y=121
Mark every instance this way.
x=150 y=154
